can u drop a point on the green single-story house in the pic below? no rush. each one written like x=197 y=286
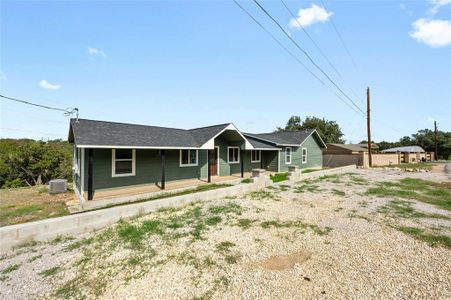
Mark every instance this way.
x=110 y=155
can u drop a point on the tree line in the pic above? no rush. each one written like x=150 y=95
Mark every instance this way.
x=331 y=132
x=26 y=162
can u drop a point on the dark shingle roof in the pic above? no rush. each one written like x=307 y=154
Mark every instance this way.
x=204 y=134
x=258 y=144
x=101 y=133
x=284 y=138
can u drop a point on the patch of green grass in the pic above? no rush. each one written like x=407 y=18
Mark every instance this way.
x=232 y=259
x=225 y=246
x=295 y=224
x=78 y=244
x=263 y=195
x=245 y=223
x=50 y=272
x=278 y=177
x=12 y=214
x=312 y=188
x=247 y=180
x=212 y=221
x=431 y=239
x=61 y=238
x=32 y=259
x=11 y=268
x=338 y=192
x=438 y=194
x=226 y=209
x=404 y=209
x=70 y=290
x=284 y=187
x=310 y=171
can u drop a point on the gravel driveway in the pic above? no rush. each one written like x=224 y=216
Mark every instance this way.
x=327 y=238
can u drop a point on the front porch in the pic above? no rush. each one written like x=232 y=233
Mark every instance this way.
x=170 y=186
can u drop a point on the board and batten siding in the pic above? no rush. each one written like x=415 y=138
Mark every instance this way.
x=148 y=168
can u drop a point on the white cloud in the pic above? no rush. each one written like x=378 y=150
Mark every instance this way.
x=437 y=4
x=430 y=119
x=434 y=33
x=48 y=86
x=308 y=16
x=96 y=52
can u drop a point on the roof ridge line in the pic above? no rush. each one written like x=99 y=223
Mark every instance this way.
x=132 y=124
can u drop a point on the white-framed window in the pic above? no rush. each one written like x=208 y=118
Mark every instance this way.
x=304 y=155
x=233 y=155
x=77 y=160
x=123 y=162
x=255 y=156
x=188 y=157
x=288 y=155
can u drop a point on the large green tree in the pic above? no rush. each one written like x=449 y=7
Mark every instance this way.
x=425 y=139
x=329 y=131
x=28 y=162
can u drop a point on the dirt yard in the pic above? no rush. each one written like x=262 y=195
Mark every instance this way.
x=368 y=234
x=29 y=204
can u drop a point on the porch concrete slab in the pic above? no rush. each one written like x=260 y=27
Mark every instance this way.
x=125 y=195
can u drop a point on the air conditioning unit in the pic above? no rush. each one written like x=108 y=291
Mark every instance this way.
x=57 y=186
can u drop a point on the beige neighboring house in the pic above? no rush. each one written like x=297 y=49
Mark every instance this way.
x=410 y=154
x=337 y=155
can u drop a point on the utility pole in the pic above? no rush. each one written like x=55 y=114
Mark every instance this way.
x=435 y=138
x=368 y=122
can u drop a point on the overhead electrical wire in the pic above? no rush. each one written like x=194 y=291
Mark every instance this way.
x=311 y=39
x=292 y=55
x=67 y=111
x=340 y=38
x=307 y=55
x=319 y=48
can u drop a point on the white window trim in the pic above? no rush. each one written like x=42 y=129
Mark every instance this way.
x=188 y=164
x=304 y=157
x=228 y=157
x=259 y=156
x=286 y=156
x=113 y=164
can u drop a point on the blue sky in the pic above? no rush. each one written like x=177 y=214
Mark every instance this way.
x=195 y=63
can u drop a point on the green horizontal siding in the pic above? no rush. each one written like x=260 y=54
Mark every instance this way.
x=148 y=168
x=314 y=153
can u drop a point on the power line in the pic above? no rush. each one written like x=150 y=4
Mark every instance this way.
x=319 y=49
x=293 y=56
x=307 y=55
x=340 y=37
x=311 y=39
x=67 y=111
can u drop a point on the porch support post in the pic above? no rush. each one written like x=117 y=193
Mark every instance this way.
x=163 y=163
x=242 y=162
x=209 y=165
x=261 y=159
x=90 y=171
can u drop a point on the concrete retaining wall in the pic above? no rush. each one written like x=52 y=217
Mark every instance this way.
x=16 y=235
x=299 y=176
